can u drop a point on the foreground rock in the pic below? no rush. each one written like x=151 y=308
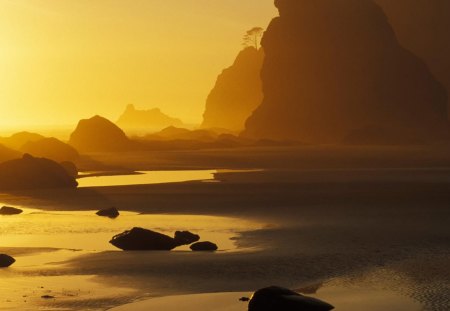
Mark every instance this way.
x=186 y=237
x=34 y=173
x=204 y=247
x=139 y=239
x=276 y=298
x=6 y=261
x=8 y=210
x=109 y=212
x=334 y=66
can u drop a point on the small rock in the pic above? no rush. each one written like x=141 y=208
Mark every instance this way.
x=204 y=246
x=8 y=210
x=186 y=237
x=276 y=298
x=244 y=299
x=6 y=261
x=48 y=297
x=109 y=212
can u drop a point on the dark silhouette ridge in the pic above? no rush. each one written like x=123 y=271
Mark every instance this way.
x=51 y=148
x=99 y=134
x=17 y=140
x=423 y=26
x=335 y=66
x=8 y=154
x=237 y=92
x=146 y=121
x=34 y=173
x=175 y=133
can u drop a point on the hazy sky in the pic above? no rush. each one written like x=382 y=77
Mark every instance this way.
x=62 y=60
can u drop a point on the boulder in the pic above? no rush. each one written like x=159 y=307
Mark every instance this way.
x=186 y=237
x=6 y=261
x=204 y=247
x=139 y=239
x=98 y=134
x=111 y=212
x=276 y=298
x=34 y=173
x=8 y=210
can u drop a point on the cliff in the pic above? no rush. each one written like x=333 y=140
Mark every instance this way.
x=332 y=67
x=423 y=27
x=237 y=92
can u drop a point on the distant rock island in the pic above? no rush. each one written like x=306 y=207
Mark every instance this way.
x=332 y=67
x=175 y=133
x=237 y=92
x=99 y=134
x=34 y=173
x=145 y=121
x=51 y=148
x=17 y=140
x=423 y=26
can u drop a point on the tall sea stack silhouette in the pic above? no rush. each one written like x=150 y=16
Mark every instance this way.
x=237 y=92
x=332 y=67
x=423 y=26
x=99 y=134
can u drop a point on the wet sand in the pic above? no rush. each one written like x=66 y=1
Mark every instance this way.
x=381 y=231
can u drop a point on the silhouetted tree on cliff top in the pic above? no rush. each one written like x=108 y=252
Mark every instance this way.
x=253 y=36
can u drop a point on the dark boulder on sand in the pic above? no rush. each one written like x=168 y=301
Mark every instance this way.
x=204 y=247
x=111 y=212
x=6 y=261
x=186 y=237
x=8 y=210
x=139 y=239
x=34 y=173
x=276 y=298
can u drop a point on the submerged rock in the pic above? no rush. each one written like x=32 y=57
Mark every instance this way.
x=204 y=247
x=139 y=239
x=111 y=212
x=276 y=298
x=8 y=210
x=186 y=237
x=6 y=261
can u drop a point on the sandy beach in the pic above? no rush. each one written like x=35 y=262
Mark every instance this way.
x=356 y=236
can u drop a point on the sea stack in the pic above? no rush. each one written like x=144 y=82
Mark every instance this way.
x=332 y=67
x=236 y=93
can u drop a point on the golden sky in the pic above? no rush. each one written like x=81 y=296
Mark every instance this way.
x=62 y=60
